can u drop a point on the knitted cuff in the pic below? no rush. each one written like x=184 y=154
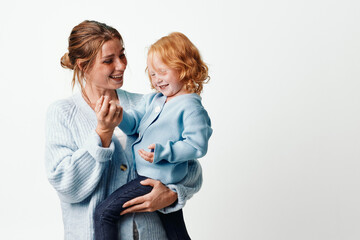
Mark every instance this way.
x=94 y=147
x=179 y=204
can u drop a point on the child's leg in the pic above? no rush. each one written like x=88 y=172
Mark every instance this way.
x=107 y=213
x=174 y=225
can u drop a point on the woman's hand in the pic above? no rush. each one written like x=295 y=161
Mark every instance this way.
x=158 y=198
x=109 y=115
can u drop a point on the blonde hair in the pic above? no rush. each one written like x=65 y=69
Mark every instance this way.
x=179 y=53
x=85 y=41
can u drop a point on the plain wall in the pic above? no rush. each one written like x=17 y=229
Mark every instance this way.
x=283 y=162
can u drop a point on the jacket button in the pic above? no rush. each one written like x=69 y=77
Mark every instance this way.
x=123 y=167
x=157 y=109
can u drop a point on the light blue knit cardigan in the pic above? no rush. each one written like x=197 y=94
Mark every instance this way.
x=83 y=173
x=180 y=130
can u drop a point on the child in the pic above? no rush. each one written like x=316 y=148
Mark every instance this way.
x=172 y=123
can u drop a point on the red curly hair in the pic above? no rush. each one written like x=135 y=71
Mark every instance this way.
x=179 y=53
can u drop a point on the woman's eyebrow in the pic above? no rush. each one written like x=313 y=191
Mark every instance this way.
x=108 y=56
x=112 y=55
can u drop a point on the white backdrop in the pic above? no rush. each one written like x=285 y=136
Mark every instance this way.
x=283 y=162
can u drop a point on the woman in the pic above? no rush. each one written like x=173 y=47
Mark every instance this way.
x=86 y=158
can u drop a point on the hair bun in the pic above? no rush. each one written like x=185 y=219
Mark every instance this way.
x=65 y=62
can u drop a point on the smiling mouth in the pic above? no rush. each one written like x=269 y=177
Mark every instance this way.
x=116 y=77
x=163 y=86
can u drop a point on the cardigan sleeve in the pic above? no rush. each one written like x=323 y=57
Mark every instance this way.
x=191 y=147
x=194 y=143
x=135 y=106
x=74 y=171
x=187 y=187
x=132 y=117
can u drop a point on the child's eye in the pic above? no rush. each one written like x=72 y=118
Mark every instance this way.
x=107 y=61
x=122 y=56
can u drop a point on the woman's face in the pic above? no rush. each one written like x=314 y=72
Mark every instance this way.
x=108 y=69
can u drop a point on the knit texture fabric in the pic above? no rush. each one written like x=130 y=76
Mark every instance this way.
x=83 y=173
x=179 y=128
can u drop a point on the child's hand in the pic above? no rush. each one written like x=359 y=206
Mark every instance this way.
x=148 y=156
x=109 y=115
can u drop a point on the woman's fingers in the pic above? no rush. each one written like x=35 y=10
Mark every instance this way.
x=109 y=111
x=103 y=111
x=112 y=108
x=115 y=110
x=135 y=205
x=142 y=203
x=159 y=197
x=99 y=103
x=150 y=182
x=135 y=208
x=109 y=115
x=134 y=201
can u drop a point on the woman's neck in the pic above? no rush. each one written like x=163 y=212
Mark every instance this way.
x=91 y=95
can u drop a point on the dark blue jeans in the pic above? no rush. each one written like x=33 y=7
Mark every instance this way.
x=107 y=213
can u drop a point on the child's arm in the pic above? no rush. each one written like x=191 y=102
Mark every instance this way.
x=196 y=134
x=187 y=187
x=132 y=117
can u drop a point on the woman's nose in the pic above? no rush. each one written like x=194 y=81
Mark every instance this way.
x=121 y=64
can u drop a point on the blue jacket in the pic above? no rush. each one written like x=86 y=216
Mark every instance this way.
x=83 y=173
x=180 y=128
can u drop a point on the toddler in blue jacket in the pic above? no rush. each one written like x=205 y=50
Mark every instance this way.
x=171 y=123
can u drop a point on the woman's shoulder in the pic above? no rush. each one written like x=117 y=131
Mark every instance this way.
x=62 y=104
x=62 y=108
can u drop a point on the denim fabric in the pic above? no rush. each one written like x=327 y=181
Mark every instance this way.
x=174 y=225
x=107 y=213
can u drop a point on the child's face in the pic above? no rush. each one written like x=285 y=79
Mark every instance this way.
x=164 y=79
